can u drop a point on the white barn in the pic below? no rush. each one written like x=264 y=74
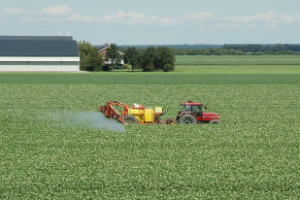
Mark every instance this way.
x=39 y=53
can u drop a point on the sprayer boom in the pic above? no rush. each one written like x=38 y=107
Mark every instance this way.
x=110 y=112
x=136 y=114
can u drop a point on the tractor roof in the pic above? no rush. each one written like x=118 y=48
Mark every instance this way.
x=191 y=104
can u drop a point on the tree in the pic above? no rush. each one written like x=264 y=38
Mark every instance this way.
x=90 y=60
x=133 y=57
x=149 y=59
x=165 y=59
x=113 y=54
x=161 y=58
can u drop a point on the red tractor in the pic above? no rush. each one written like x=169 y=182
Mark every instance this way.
x=192 y=113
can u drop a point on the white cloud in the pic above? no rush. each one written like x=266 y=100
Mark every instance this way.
x=59 y=10
x=167 y=21
x=129 y=18
x=134 y=18
x=198 y=16
x=289 y=19
x=13 y=11
x=80 y=18
x=64 y=13
x=268 y=17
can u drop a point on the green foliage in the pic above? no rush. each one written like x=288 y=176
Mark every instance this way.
x=274 y=49
x=158 y=58
x=106 y=68
x=149 y=59
x=239 y=49
x=168 y=67
x=90 y=60
x=231 y=49
x=126 y=66
x=133 y=57
x=253 y=154
x=113 y=54
x=165 y=59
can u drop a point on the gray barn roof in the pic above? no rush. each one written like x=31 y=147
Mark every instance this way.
x=38 y=46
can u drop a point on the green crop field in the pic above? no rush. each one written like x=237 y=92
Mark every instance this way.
x=239 y=60
x=47 y=153
x=264 y=64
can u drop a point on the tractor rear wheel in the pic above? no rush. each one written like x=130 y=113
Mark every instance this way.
x=187 y=119
x=129 y=119
x=215 y=122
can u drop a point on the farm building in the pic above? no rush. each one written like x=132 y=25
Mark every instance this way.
x=103 y=51
x=39 y=53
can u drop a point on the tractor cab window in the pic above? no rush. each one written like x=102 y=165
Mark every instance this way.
x=197 y=110
x=187 y=108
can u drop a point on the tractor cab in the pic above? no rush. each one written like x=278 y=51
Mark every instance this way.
x=192 y=113
x=195 y=108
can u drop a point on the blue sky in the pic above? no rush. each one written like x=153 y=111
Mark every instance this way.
x=155 y=22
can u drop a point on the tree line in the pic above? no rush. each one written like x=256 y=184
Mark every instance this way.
x=242 y=49
x=149 y=59
x=153 y=58
x=264 y=49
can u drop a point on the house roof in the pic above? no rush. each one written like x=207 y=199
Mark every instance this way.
x=104 y=49
x=38 y=46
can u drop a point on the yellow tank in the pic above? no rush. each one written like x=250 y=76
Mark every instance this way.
x=158 y=110
x=144 y=115
x=137 y=113
x=149 y=115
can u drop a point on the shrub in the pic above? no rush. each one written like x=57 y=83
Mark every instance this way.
x=168 y=67
x=90 y=60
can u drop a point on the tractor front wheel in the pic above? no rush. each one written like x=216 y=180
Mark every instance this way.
x=187 y=119
x=129 y=119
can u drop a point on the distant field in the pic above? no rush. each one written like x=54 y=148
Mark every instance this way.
x=238 y=60
x=237 y=69
x=238 y=64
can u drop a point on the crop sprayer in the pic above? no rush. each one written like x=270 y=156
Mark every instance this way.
x=192 y=113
